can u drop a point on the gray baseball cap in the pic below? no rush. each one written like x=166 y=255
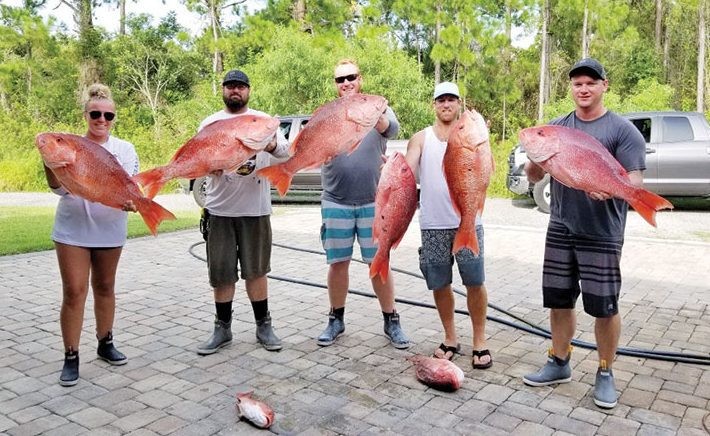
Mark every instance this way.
x=236 y=76
x=590 y=67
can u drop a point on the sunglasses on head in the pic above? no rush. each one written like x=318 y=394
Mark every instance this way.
x=108 y=116
x=349 y=78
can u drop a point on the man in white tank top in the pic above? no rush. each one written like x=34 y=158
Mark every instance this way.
x=439 y=222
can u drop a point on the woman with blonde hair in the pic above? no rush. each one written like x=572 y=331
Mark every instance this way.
x=88 y=239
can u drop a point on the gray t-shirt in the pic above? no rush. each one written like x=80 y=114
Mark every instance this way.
x=573 y=208
x=352 y=179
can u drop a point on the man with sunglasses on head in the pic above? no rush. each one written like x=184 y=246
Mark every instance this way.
x=348 y=207
x=238 y=209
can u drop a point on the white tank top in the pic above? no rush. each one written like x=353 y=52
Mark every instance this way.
x=435 y=208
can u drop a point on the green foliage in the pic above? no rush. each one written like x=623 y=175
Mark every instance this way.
x=28 y=229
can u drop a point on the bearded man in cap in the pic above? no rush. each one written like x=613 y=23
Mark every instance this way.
x=585 y=237
x=238 y=210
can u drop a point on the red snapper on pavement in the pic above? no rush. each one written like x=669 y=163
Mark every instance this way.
x=336 y=127
x=579 y=161
x=468 y=165
x=86 y=169
x=395 y=204
x=254 y=411
x=223 y=145
x=441 y=374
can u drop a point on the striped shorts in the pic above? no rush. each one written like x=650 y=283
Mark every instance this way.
x=340 y=225
x=575 y=264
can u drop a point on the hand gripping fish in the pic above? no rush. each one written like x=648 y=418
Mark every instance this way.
x=86 y=169
x=577 y=160
x=222 y=145
x=336 y=127
x=395 y=204
x=468 y=165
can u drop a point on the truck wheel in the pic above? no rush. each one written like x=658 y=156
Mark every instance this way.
x=199 y=191
x=542 y=194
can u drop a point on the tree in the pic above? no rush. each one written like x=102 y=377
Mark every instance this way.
x=702 y=29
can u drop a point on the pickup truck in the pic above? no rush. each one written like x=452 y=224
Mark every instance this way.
x=305 y=182
x=677 y=158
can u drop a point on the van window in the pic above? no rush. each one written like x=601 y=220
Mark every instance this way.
x=677 y=129
x=644 y=126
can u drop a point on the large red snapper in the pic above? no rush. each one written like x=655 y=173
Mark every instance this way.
x=468 y=165
x=395 y=204
x=577 y=160
x=222 y=145
x=336 y=127
x=88 y=170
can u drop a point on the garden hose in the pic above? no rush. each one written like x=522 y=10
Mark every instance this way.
x=526 y=326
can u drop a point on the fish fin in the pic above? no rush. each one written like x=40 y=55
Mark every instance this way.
x=151 y=181
x=380 y=264
x=466 y=238
x=153 y=214
x=278 y=176
x=395 y=244
x=646 y=203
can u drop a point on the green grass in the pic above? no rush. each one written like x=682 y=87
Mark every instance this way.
x=28 y=229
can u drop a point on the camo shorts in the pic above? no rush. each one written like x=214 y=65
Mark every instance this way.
x=436 y=261
x=575 y=264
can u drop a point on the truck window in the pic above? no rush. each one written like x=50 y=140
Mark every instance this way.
x=677 y=129
x=285 y=128
x=303 y=123
x=644 y=126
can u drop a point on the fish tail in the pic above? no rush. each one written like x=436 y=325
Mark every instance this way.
x=151 y=181
x=380 y=265
x=646 y=203
x=153 y=214
x=278 y=176
x=466 y=238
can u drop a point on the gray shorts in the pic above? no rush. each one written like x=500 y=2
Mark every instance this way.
x=245 y=241
x=576 y=264
x=436 y=261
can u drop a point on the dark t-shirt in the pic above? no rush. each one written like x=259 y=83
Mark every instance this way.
x=352 y=179
x=573 y=208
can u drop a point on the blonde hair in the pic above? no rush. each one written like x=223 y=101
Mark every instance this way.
x=347 y=61
x=97 y=91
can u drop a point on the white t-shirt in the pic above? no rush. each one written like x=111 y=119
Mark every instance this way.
x=242 y=192
x=436 y=211
x=84 y=223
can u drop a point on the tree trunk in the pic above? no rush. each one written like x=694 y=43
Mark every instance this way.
x=666 y=53
x=437 y=32
x=122 y=15
x=700 y=104
x=659 y=24
x=89 y=41
x=543 y=60
x=217 y=67
x=506 y=63
x=585 y=40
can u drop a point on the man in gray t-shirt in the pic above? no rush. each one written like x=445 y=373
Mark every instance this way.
x=348 y=209
x=585 y=237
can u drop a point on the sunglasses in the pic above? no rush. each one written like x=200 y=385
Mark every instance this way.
x=349 y=78
x=108 y=116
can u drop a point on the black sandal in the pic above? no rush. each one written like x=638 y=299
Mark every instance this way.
x=453 y=349
x=479 y=354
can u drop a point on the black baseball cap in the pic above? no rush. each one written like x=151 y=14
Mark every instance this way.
x=236 y=76
x=590 y=67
